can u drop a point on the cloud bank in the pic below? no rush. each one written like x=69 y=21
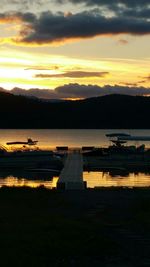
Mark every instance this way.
x=75 y=90
x=131 y=3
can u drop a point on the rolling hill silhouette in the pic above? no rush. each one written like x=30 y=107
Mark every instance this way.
x=110 y=111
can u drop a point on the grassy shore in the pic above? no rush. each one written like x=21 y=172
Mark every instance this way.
x=104 y=227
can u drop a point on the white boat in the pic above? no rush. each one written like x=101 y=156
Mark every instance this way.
x=118 y=154
x=27 y=157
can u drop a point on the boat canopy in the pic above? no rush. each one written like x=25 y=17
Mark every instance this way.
x=134 y=138
x=118 y=135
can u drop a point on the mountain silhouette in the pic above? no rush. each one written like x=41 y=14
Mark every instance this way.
x=110 y=111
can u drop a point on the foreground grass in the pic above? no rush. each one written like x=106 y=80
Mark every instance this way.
x=107 y=227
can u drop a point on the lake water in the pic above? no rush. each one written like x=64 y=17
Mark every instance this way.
x=72 y=138
x=49 y=139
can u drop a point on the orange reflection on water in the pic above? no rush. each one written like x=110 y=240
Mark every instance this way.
x=93 y=179
x=106 y=179
x=18 y=182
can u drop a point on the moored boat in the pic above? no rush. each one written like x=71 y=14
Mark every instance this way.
x=119 y=154
x=27 y=157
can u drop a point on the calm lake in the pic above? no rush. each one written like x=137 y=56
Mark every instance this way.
x=49 y=139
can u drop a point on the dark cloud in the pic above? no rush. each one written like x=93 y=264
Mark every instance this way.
x=142 y=81
x=123 y=42
x=74 y=74
x=39 y=93
x=129 y=84
x=19 y=4
x=130 y=8
x=138 y=13
x=128 y=3
x=76 y=90
x=147 y=77
x=57 y=28
x=85 y=91
x=29 y=3
x=43 y=68
x=2 y=89
x=17 y=16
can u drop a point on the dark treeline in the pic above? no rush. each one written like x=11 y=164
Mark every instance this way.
x=111 y=111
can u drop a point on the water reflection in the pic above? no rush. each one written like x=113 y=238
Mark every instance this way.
x=107 y=179
x=28 y=179
x=93 y=179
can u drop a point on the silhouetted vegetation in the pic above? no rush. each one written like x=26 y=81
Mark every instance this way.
x=111 y=111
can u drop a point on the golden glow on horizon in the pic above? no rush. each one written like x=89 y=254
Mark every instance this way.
x=29 y=50
x=19 y=68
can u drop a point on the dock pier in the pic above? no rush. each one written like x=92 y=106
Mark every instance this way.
x=71 y=176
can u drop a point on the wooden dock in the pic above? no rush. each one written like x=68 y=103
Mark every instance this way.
x=71 y=177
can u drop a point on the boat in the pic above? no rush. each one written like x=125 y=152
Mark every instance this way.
x=118 y=146
x=28 y=157
x=29 y=142
x=123 y=135
x=119 y=154
x=119 y=141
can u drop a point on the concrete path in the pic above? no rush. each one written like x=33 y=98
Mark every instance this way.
x=71 y=177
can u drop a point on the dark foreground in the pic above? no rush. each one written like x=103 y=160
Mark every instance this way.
x=107 y=227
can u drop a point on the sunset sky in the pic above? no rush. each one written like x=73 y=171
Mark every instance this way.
x=75 y=48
